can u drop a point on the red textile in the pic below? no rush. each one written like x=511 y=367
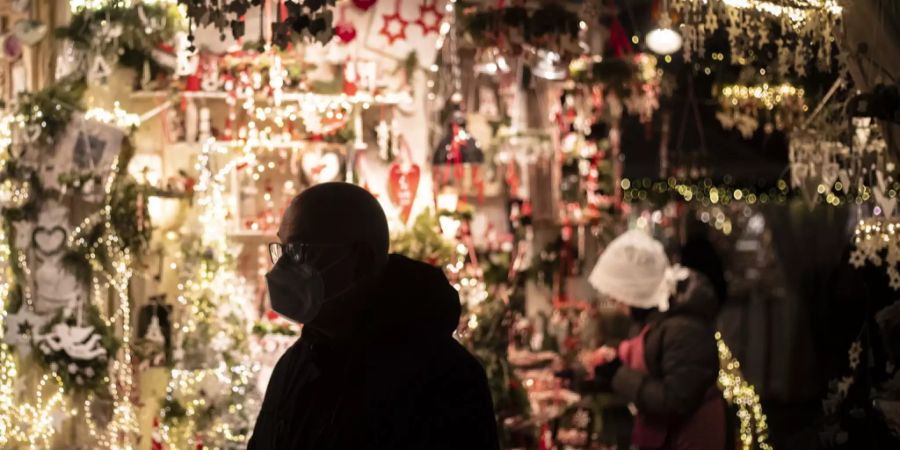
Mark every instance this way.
x=703 y=430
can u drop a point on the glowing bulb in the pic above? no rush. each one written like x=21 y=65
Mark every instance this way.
x=663 y=41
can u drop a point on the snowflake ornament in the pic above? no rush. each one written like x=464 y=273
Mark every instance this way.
x=394 y=27
x=857 y=258
x=429 y=18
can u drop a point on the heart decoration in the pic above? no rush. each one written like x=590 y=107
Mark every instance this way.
x=845 y=180
x=799 y=173
x=830 y=172
x=887 y=204
x=403 y=184
x=49 y=241
x=321 y=167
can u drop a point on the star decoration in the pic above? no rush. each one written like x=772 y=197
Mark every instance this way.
x=581 y=419
x=857 y=259
x=894 y=278
x=431 y=11
x=853 y=354
x=20 y=328
x=386 y=28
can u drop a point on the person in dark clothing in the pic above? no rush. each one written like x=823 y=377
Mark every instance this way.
x=668 y=371
x=376 y=366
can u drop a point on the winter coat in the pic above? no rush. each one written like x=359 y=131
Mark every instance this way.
x=677 y=394
x=400 y=382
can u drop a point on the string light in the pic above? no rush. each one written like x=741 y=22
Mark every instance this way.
x=736 y=390
x=708 y=193
x=23 y=422
x=769 y=96
x=797 y=12
x=78 y=5
x=118 y=117
x=877 y=242
x=123 y=425
x=214 y=293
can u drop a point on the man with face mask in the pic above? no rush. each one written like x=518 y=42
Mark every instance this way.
x=376 y=366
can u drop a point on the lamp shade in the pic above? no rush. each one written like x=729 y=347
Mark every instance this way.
x=663 y=41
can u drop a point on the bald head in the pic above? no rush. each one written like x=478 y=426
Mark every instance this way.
x=337 y=213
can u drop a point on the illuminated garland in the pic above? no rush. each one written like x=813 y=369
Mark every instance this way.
x=215 y=301
x=22 y=422
x=736 y=390
x=800 y=30
x=708 y=193
x=124 y=424
x=768 y=95
x=877 y=241
x=34 y=423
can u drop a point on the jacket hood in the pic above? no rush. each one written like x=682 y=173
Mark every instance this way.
x=695 y=296
x=413 y=299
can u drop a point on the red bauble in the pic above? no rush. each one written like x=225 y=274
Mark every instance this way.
x=364 y=4
x=345 y=31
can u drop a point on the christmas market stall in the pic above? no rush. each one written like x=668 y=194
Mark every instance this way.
x=149 y=149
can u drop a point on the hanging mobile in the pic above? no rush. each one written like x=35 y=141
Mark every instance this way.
x=389 y=19
x=430 y=11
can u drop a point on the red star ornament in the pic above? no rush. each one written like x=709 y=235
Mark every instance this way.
x=430 y=11
x=392 y=36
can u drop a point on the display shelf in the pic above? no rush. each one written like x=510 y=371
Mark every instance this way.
x=362 y=98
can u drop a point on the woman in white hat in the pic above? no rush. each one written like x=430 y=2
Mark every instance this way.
x=668 y=371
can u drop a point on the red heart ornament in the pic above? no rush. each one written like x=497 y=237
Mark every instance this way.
x=345 y=31
x=403 y=183
x=364 y=4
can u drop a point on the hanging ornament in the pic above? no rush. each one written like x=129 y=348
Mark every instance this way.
x=22 y=327
x=364 y=5
x=345 y=30
x=12 y=47
x=99 y=70
x=394 y=26
x=383 y=139
x=321 y=167
x=429 y=18
x=29 y=32
x=156 y=440
x=403 y=181
x=79 y=342
x=211 y=81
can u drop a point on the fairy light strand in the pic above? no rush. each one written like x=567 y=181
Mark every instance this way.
x=736 y=390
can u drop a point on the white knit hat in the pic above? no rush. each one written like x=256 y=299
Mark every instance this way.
x=634 y=270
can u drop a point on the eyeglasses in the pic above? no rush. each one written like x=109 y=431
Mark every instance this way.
x=297 y=252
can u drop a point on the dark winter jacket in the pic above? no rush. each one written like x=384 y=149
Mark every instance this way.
x=681 y=358
x=401 y=381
